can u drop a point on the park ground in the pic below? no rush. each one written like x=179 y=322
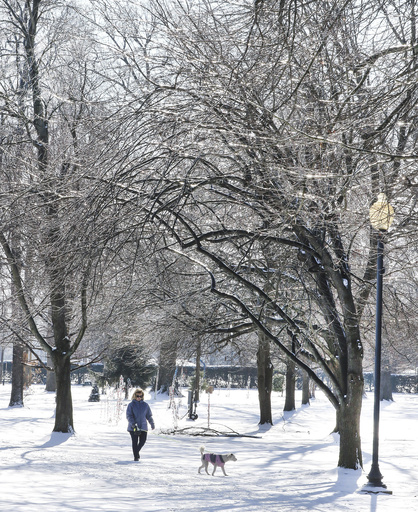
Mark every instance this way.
x=290 y=466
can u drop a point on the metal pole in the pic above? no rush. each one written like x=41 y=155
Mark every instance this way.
x=208 y=410
x=156 y=382
x=375 y=476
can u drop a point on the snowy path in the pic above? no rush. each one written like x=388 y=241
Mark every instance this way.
x=288 y=467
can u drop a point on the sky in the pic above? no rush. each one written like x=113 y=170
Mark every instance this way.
x=290 y=466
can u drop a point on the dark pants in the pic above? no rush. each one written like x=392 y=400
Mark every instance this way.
x=138 y=442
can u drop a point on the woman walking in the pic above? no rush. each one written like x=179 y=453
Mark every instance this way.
x=138 y=414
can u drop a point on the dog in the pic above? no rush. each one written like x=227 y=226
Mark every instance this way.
x=215 y=459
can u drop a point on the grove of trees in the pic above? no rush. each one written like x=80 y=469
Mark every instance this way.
x=187 y=175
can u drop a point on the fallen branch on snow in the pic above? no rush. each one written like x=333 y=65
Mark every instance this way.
x=206 y=432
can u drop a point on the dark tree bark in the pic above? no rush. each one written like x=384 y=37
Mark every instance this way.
x=290 y=402
x=51 y=382
x=18 y=370
x=197 y=372
x=64 y=409
x=265 y=379
x=2 y=349
x=16 y=397
x=386 y=384
x=167 y=364
x=306 y=395
x=348 y=425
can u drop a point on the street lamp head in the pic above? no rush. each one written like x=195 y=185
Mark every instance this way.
x=381 y=213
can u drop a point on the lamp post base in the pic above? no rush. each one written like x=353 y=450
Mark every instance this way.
x=375 y=476
x=375 y=484
x=370 y=488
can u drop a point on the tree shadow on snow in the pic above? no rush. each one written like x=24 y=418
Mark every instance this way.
x=56 y=439
x=261 y=429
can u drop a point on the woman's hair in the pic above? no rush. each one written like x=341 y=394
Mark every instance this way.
x=137 y=390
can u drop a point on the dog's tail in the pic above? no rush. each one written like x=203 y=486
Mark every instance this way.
x=202 y=449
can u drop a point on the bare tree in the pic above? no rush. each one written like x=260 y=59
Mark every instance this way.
x=275 y=126
x=46 y=208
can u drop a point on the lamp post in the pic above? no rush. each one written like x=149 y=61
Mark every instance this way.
x=381 y=217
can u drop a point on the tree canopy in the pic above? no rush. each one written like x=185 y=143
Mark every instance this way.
x=216 y=160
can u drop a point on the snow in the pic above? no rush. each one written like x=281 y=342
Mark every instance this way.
x=291 y=466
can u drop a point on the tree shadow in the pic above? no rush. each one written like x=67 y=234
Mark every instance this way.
x=56 y=439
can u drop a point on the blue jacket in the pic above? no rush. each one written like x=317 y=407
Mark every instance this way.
x=139 y=413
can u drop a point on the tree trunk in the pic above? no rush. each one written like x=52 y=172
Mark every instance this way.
x=64 y=404
x=51 y=383
x=1 y=364
x=167 y=364
x=265 y=379
x=386 y=385
x=289 y=404
x=348 y=424
x=18 y=373
x=27 y=370
x=312 y=389
x=197 y=380
x=385 y=380
x=305 y=388
x=61 y=353
x=349 y=410
x=16 y=398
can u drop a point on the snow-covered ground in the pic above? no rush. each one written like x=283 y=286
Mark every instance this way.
x=288 y=467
